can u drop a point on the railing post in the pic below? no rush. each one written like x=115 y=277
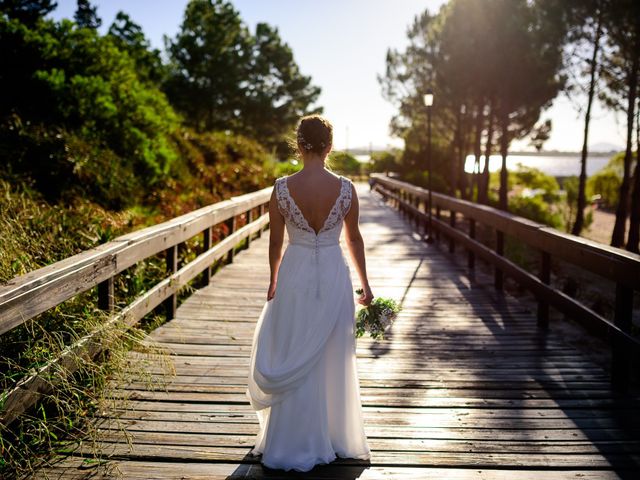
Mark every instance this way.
x=498 y=276
x=261 y=210
x=422 y=221
x=206 y=275
x=231 y=225
x=249 y=220
x=620 y=358
x=545 y=277
x=171 y=303
x=471 y=256
x=403 y=198
x=452 y=222
x=106 y=295
x=437 y=230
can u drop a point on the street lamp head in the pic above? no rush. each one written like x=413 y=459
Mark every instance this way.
x=428 y=98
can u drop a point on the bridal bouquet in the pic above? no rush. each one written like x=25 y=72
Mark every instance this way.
x=377 y=317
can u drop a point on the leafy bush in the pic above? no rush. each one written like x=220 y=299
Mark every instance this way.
x=344 y=163
x=384 y=161
x=421 y=178
x=76 y=96
x=606 y=182
x=536 y=179
x=287 y=167
x=536 y=209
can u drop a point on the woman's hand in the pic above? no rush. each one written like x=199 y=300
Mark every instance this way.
x=271 y=292
x=366 y=296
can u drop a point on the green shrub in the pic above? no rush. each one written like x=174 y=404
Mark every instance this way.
x=287 y=167
x=76 y=92
x=421 y=178
x=536 y=209
x=384 y=161
x=344 y=163
x=605 y=183
x=536 y=179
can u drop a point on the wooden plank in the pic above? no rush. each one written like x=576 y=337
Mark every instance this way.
x=140 y=451
x=78 y=469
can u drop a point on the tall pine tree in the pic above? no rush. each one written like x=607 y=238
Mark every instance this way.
x=221 y=77
x=86 y=15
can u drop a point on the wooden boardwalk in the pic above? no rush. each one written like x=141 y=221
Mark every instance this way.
x=465 y=387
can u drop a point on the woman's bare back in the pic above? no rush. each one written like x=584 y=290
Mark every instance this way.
x=314 y=193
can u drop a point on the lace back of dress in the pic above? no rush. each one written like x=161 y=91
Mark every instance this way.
x=293 y=215
x=286 y=205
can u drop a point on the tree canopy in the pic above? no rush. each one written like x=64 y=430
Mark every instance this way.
x=492 y=65
x=103 y=116
x=223 y=77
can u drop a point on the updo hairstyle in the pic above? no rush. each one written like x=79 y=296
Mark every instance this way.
x=314 y=134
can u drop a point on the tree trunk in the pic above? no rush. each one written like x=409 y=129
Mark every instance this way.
x=477 y=148
x=504 y=149
x=582 y=200
x=463 y=175
x=483 y=187
x=617 y=238
x=633 y=242
x=459 y=152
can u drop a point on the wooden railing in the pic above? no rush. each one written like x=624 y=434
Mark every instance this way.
x=619 y=266
x=26 y=296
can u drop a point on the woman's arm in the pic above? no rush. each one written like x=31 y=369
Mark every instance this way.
x=355 y=245
x=276 y=238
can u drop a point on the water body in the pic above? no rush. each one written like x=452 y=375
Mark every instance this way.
x=556 y=165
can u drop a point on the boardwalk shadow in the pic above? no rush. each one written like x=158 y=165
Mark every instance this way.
x=607 y=420
x=251 y=468
x=527 y=398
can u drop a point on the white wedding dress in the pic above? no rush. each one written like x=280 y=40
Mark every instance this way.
x=303 y=381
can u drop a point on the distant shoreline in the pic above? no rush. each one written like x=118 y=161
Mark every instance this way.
x=552 y=153
x=544 y=153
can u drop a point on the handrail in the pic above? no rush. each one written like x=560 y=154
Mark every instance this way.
x=26 y=296
x=617 y=265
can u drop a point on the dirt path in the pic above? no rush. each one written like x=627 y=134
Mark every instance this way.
x=602 y=227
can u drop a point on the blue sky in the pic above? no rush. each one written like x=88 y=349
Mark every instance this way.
x=342 y=45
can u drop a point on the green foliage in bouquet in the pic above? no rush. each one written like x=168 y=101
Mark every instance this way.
x=375 y=318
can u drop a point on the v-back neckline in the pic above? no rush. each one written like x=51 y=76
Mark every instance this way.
x=304 y=219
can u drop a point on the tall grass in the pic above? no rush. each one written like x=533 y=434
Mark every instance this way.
x=35 y=233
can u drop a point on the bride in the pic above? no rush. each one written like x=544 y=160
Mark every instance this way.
x=303 y=380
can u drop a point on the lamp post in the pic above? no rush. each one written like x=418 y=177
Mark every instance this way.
x=428 y=101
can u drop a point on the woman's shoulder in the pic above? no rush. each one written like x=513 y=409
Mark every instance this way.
x=342 y=178
x=347 y=181
x=281 y=179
